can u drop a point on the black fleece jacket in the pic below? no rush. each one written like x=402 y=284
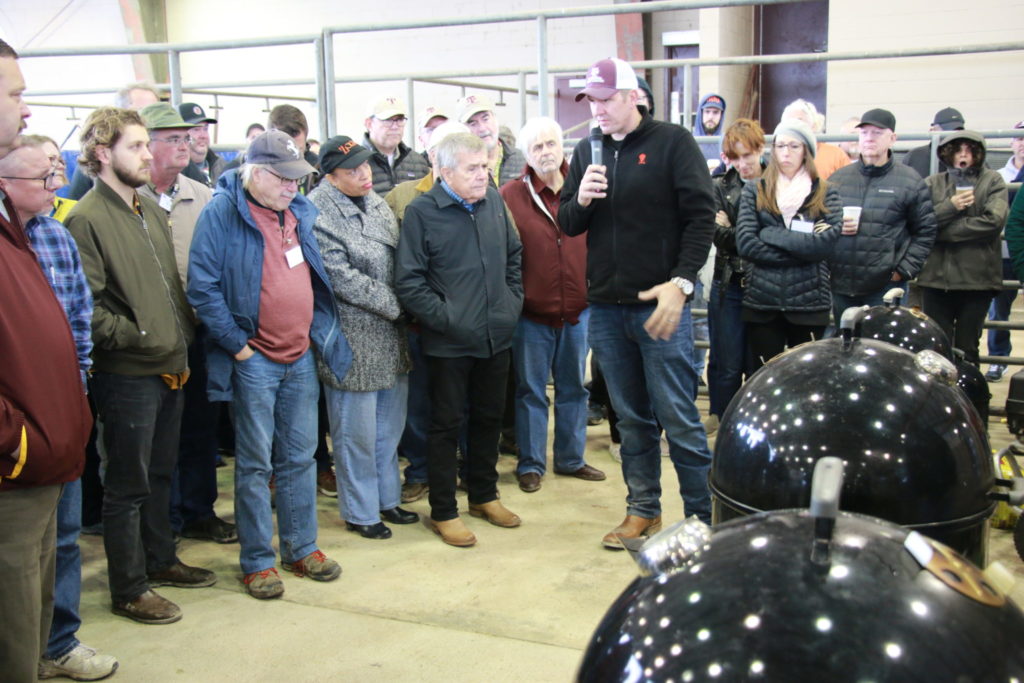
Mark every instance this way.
x=658 y=218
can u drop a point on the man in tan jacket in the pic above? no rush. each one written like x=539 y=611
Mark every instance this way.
x=184 y=199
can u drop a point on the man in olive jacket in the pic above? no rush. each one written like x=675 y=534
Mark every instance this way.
x=458 y=273
x=141 y=329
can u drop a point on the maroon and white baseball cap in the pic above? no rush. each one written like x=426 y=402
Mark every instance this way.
x=606 y=77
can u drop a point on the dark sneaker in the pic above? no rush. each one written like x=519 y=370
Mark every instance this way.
x=148 y=608
x=211 y=529
x=327 y=483
x=316 y=566
x=180 y=575
x=595 y=414
x=995 y=373
x=264 y=585
x=81 y=664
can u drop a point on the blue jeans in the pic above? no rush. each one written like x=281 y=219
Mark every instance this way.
x=701 y=328
x=648 y=378
x=538 y=352
x=729 y=359
x=275 y=432
x=413 y=446
x=67 y=589
x=365 y=429
x=999 y=340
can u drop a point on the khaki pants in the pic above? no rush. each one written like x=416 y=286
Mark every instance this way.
x=28 y=530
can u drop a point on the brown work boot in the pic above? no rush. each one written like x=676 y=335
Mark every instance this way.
x=454 y=532
x=316 y=566
x=631 y=527
x=495 y=513
x=148 y=608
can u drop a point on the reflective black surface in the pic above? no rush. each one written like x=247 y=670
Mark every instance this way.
x=914 y=449
x=975 y=387
x=752 y=606
x=905 y=327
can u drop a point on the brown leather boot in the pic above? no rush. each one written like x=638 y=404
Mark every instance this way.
x=454 y=532
x=631 y=527
x=495 y=513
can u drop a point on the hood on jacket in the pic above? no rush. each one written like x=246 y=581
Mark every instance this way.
x=719 y=102
x=950 y=143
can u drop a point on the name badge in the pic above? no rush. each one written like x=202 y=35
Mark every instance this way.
x=165 y=202
x=294 y=256
x=801 y=226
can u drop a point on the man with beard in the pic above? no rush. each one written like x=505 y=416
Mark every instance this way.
x=141 y=329
x=710 y=115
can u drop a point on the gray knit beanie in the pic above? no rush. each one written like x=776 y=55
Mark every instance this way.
x=796 y=128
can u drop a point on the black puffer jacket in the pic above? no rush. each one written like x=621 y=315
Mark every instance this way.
x=409 y=165
x=897 y=226
x=967 y=253
x=790 y=268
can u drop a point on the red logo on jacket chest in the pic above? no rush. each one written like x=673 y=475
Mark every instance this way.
x=642 y=159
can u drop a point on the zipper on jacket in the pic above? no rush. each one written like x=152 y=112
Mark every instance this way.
x=167 y=290
x=615 y=227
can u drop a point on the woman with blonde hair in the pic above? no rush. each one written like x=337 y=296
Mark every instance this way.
x=789 y=222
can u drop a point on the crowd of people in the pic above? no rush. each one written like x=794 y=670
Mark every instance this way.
x=415 y=304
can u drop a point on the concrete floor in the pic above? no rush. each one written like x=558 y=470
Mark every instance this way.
x=520 y=606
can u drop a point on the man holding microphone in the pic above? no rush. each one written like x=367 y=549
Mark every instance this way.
x=648 y=212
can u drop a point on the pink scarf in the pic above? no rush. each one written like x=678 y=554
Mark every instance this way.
x=791 y=193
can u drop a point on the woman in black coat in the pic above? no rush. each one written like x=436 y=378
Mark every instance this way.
x=789 y=222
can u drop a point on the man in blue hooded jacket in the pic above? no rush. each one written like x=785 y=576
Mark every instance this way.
x=257 y=281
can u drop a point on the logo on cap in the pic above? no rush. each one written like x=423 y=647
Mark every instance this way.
x=292 y=148
x=471 y=99
x=197 y=110
x=345 y=147
x=595 y=75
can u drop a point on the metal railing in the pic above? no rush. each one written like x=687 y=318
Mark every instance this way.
x=325 y=78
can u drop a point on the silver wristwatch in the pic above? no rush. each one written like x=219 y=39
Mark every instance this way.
x=683 y=284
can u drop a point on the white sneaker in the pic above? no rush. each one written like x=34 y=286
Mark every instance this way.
x=81 y=664
x=616 y=450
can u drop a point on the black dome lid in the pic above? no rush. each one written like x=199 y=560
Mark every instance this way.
x=751 y=604
x=914 y=448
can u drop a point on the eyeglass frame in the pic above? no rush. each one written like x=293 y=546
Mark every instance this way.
x=791 y=146
x=47 y=179
x=394 y=121
x=284 y=182
x=174 y=140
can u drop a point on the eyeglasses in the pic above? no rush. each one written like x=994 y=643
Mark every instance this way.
x=175 y=140
x=394 y=122
x=285 y=182
x=791 y=146
x=49 y=180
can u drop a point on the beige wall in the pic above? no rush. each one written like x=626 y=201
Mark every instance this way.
x=726 y=32
x=988 y=89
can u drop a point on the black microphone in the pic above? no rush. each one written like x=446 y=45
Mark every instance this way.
x=596 y=147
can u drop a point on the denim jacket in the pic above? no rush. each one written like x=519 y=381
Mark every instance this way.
x=225 y=271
